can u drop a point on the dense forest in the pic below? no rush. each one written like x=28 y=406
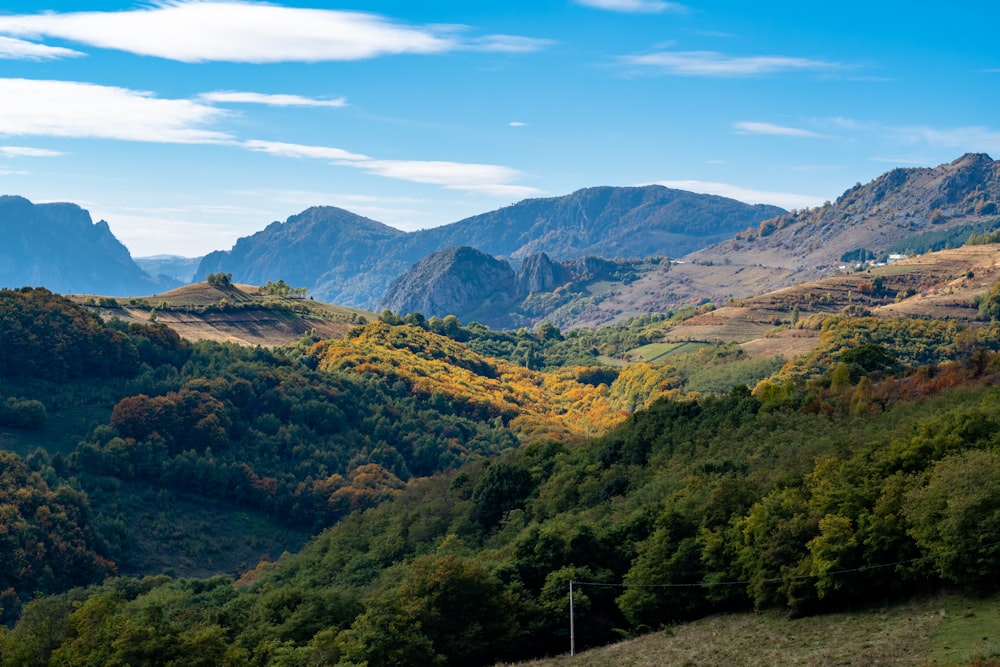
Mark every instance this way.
x=456 y=492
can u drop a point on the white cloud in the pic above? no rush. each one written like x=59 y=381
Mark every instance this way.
x=517 y=123
x=634 y=6
x=69 y=109
x=18 y=49
x=751 y=127
x=488 y=179
x=454 y=175
x=302 y=151
x=27 y=151
x=712 y=63
x=786 y=200
x=237 y=97
x=251 y=32
x=509 y=44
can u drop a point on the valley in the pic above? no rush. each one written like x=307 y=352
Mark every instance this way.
x=706 y=448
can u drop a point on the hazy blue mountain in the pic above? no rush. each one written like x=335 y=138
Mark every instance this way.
x=59 y=247
x=350 y=260
x=301 y=249
x=173 y=266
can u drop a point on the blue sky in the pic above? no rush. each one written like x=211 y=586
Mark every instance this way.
x=187 y=124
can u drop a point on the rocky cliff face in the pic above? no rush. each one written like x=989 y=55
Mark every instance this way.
x=452 y=281
x=538 y=273
x=476 y=287
x=59 y=247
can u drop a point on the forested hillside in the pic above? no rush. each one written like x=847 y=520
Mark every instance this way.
x=456 y=494
x=828 y=494
x=302 y=435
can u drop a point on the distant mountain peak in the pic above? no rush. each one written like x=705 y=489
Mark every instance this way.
x=58 y=246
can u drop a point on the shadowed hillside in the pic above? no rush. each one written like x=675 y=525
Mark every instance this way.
x=59 y=247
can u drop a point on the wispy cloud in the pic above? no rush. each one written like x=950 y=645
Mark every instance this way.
x=517 y=123
x=34 y=107
x=967 y=139
x=251 y=32
x=785 y=200
x=752 y=127
x=303 y=151
x=19 y=49
x=509 y=44
x=713 y=63
x=488 y=179
x=237 y=97
x=975 y=139
x=28 y=151
x=918 y=161
x=634 y=6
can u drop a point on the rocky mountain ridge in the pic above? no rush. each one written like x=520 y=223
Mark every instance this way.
x=346 y=259
x=60 y=247
x=905 y=211
x=478 y=287
x=873 y=217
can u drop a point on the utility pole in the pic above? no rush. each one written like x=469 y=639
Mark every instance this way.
x=572 y=632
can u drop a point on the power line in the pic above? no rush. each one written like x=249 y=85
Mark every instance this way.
x=747 y=582
x=795 y=577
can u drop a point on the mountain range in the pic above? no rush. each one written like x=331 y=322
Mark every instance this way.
x=643 y=249
x=902 y=212
x=350 y=260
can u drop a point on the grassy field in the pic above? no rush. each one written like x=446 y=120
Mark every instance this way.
x=660 y=351
x=240 y=314
x=938 y=631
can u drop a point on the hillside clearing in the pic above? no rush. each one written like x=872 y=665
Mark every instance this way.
x=242 y=314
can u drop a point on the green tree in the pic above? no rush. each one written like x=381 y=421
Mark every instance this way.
x=955 y=517
x=504 y=486
x=219 y=279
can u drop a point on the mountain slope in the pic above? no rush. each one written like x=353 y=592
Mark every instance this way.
x=60 y=247
x=450 y=281
x=356 y=269
x=602 y=221
x=477 y=287
x=885 y=215
x=301 y=248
